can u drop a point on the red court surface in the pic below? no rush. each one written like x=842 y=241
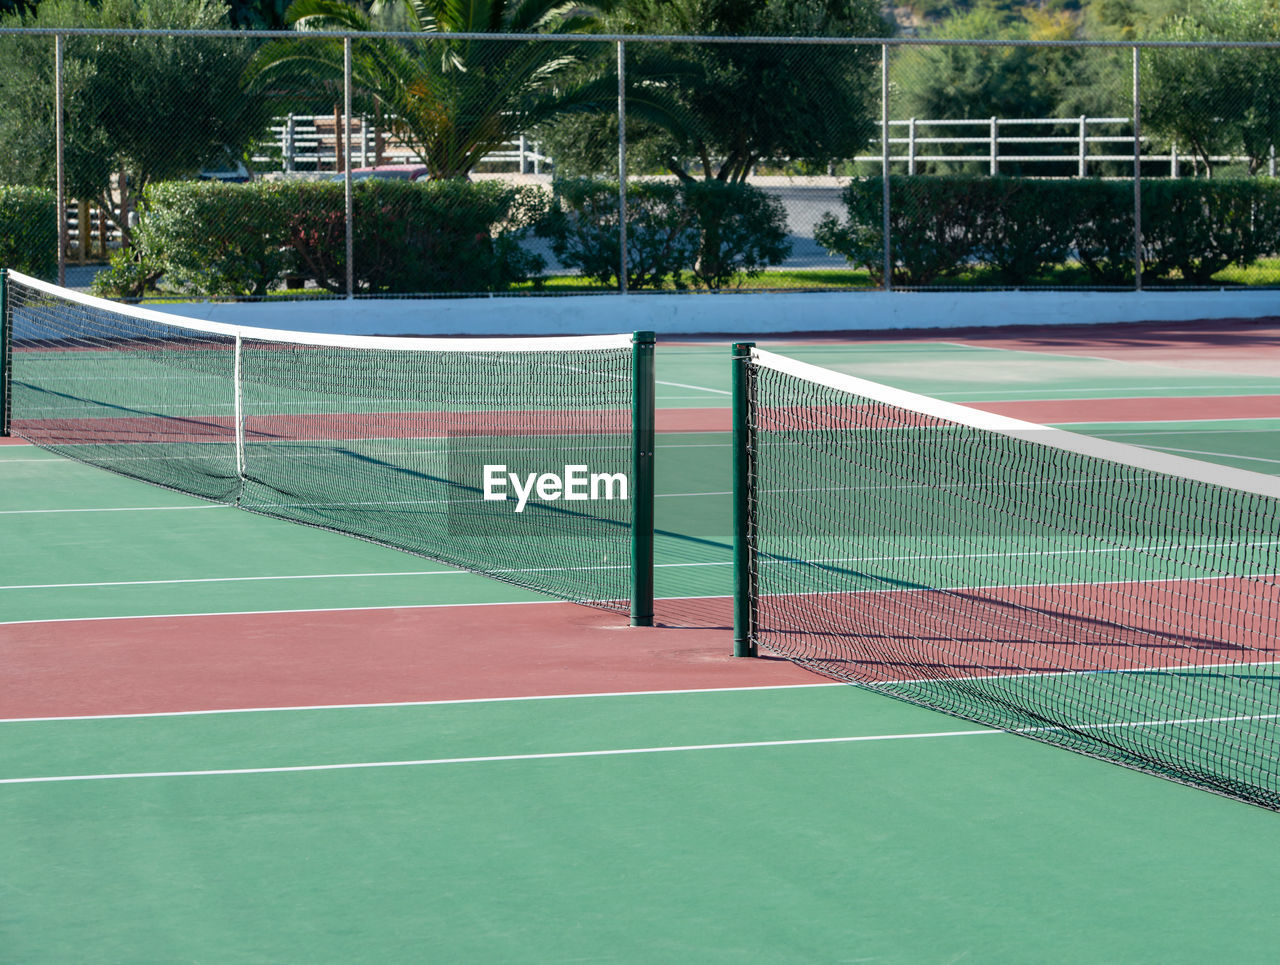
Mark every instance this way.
x=228 y=661
x=1130 y=625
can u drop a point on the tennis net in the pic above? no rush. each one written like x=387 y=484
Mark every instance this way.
x=1106 y=598
x=393 y=440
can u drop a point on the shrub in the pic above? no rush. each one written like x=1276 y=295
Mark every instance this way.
x=1019 y=227
x=932 y=231
x=741 y=231
x=582 y=226
x=713 y=232
x=29 y=231
x=230 y=240
x=436 y=236
x=1197 y=228
x=1102 y=230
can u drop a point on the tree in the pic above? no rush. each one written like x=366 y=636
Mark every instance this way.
x=258 y=14
x=983 y=81
x=136 y=109
x=715 y=110
x=1216 y=102
x=452 y=100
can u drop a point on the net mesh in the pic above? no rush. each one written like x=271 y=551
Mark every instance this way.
x=376 y=438
x=1112 y=609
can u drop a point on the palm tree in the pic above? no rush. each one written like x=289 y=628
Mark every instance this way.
x=452 y=100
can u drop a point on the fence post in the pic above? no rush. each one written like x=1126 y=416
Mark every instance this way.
x=84 y=232
x=995 y=146
x=339 y=149
x=286 y=143
x=622 y=167
x=1271 y=162
x=1173 y=160
x=348 y=212
x=911 y=145
x=1084 y=148
x=60 y=173
x=1137 y=175
x=884 y=163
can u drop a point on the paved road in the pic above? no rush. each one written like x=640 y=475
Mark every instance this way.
x=805 y=207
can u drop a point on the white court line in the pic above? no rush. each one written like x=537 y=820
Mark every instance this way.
x=228 y=579
x=112 y=509
x=259 y=613
x=630 y=751
x=345 y=609
x=421 y=703
x=700 y=388
x=1091 y=395
x=316 y=576
x=1178 y=424
x=497 y=758
x=1220 y=455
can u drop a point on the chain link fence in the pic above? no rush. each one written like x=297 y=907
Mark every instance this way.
x=220 y=164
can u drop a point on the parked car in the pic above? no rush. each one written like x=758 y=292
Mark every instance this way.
x=225 y=166
x=392 y=172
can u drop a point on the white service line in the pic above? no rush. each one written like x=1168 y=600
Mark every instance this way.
x=303 y=576
x=496 y=758
x=628 y=751
x=422 y=703
x=700 y=388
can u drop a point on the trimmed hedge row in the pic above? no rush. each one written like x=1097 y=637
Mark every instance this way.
x=29 y=231
x=716 y=233
x=1020 y=227
x=229 y=240
x=215 y=239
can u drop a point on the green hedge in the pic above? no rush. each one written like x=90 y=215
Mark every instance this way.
x=1019 y=228
x=29 y=231
x=215 y=239
x=714 y=233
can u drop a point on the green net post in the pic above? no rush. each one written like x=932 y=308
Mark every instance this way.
x=6 y=354
x=744 y=595
x=642 y=486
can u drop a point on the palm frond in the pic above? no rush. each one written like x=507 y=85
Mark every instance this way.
x=326 y=15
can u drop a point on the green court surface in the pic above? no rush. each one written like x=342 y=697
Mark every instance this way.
x=806 y=824
x=983 y=847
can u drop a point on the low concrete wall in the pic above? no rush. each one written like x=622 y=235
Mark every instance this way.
x=733 y=314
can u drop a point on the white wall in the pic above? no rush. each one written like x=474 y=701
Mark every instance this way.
x=734 y=314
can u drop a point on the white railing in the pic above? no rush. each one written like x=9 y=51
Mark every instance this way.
x=993 y=140
x=310 y=143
